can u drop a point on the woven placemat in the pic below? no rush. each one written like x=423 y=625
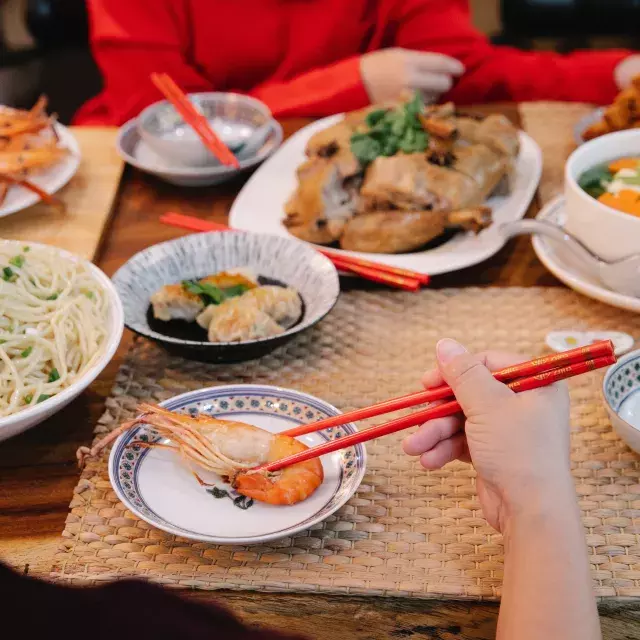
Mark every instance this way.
x=551 y=125
x=406 y=532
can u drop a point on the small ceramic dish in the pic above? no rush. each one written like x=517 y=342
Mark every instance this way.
x=235 y=118
x=610 y=234
x=562 y=340
x=139 y=154
x=621 y=389
x=275 y=260
x=158 y=487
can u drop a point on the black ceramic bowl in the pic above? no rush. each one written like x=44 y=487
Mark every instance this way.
x=275 y=260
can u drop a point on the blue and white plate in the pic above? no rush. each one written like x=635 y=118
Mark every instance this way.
x=621 y=390
x=277 y=260
x=158 y=487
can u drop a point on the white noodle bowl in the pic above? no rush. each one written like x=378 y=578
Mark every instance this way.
x=60 y=323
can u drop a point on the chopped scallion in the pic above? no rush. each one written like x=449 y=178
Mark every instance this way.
x=27 y=352
x=17 y=261
x=54 y=375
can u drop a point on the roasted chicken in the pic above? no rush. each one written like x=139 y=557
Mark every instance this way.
x=399 y=200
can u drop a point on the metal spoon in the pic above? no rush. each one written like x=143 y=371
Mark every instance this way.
x=622 y=276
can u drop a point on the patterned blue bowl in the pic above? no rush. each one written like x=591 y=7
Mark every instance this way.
x=621 y=389
x=280 y=260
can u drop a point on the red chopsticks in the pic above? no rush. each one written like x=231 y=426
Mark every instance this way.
x=393 y=276
x=533 y=367
x=527 y=383
x=194 y=118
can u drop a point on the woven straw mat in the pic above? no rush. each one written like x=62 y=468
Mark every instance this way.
x=406 y=532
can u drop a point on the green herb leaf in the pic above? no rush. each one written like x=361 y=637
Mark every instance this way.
x=54 y=375
x=235 y=291
x=89 y=294
x=391 y=131
x=373 y=117
x=42 y=398
x=17 y=261
x=365 y=148
x=27 y=352
x=26 y=249
x=596 y=180
x=53 y=296
x=8 y=275
x=210 y=294
x=28 y=398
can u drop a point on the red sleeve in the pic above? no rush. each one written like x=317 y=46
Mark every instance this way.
x=502 y=73
x=129 y=41
x=320 y=92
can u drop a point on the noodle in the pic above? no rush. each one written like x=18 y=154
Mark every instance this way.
x=52 y=324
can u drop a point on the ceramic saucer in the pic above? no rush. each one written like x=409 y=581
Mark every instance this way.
x=569 y=270
x=157 y=486
x=137 y=152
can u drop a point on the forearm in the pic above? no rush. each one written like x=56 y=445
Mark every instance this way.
x=547 y=587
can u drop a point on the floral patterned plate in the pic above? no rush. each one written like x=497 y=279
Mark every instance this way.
x=157 y=486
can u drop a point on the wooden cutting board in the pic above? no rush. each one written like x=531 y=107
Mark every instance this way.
x=89 y=198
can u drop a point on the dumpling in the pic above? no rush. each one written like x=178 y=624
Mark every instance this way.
x=172 y=302
x=283 y=304
x=237 y=320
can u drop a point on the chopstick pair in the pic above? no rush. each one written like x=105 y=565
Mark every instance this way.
x=375 y=271
x=522 y=377
x=193 y=118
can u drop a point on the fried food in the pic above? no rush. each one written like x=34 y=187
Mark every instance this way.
x=28 y=144
x=623 y=114
x=390 y=178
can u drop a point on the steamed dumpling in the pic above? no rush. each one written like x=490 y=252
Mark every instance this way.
x=283 y=304
x=237 y=320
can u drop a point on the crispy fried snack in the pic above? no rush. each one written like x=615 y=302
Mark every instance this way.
x=28 y=143
x=623 y=114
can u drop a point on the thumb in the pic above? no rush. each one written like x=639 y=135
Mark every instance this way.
x=473 y=385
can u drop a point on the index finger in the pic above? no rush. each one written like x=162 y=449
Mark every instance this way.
x=437 y=63
x=493 y=360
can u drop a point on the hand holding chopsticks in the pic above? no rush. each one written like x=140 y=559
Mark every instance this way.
x=523 y=377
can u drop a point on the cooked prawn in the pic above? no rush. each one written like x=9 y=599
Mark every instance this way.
x=229 y=449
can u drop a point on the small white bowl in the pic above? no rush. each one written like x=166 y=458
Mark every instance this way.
x=621 y=390
x=234 y=117
x=612 y=235
x=27 y=418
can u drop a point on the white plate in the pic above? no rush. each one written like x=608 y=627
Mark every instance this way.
x=568 y=269
x=259 y=206
x=136 y=152
x=51 y=179
x=157 y=486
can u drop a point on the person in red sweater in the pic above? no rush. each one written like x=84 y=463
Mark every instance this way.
x=319 y=57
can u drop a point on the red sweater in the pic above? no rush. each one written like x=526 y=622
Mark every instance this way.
x=301 y=57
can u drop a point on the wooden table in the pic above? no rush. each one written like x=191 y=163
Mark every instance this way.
x=38 y=471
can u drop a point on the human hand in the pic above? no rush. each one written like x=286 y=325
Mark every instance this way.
x=627 y=70
x=388 y=73
x=518 y=443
